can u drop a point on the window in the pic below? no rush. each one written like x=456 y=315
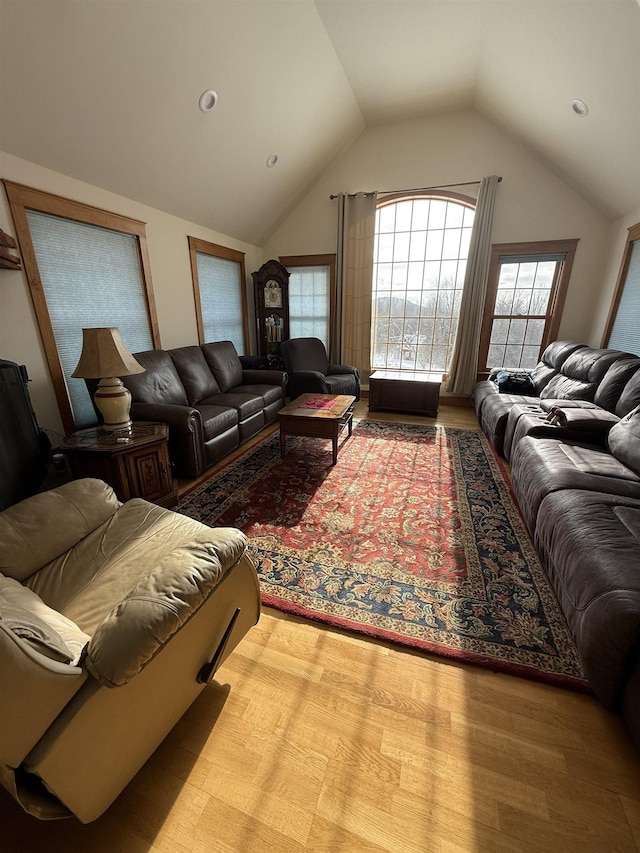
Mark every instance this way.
x=220 y=293
x=86 y=267
x=526 y=289
x=623 y=324
x=420 y=255
x=311 y=289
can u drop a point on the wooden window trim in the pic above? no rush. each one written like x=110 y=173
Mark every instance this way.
x=556 y=300
x=216 y=251
x=633 y=235
x=317 y=261
x=22 y=198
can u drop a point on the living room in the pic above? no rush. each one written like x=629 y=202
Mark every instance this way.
x=100 y=106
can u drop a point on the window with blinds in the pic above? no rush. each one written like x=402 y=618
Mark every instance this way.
x=86 y=267
x=90 y=278
x=219 y=288
x=624 y=321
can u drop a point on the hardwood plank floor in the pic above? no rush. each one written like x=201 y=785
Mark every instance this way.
x=315 y=739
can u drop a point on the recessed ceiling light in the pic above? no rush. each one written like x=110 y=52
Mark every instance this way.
x=207 y=100
x=580 y=108
x=272 y=159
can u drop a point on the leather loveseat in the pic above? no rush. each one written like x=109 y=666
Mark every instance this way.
x=113 y=618
x=209 y=401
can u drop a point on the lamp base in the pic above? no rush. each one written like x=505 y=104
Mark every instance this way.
x=113 y=401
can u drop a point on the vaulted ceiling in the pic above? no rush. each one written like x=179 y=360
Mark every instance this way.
x=107 y=92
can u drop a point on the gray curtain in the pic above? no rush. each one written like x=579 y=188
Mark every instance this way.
x=356 y=229
x=464 y=361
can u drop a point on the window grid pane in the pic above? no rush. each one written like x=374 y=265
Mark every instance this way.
x=220 y=285
x=309 y=302
x=520 y=310
x=420 y=255
x=91 y=277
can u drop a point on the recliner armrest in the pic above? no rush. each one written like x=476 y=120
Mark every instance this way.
x=345 y=369
x=138 y=628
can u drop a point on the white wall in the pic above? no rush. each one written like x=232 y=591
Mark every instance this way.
x=532 y=203
x=170 y=271
x=618 y=233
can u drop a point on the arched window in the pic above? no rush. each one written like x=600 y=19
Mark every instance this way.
x=420 y=256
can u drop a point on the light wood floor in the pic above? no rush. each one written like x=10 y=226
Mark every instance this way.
x=313 y=739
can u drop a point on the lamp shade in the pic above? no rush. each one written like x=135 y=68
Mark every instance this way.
x=105 y=354
x=105 y=357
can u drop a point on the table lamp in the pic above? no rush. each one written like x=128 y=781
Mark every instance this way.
x=105 y=357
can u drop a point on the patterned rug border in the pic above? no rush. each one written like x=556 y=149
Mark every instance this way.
x=361 y=628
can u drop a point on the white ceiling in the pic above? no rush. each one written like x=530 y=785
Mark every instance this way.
x=107 y=91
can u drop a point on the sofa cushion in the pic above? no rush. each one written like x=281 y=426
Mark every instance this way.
x=195 y=374
x=217 y=419
x=540 y=466
x=630 y=397
x=624 y=440
x=268 y=393
x=46 y=630
x=614 y=381
x=160 y=383
x=580 y=375
x=225 y=364
x=245 y=404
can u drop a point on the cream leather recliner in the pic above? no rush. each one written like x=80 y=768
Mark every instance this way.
x=113 y=617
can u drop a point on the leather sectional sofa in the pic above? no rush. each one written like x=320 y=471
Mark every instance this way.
x=575 y=469
x=211 y=403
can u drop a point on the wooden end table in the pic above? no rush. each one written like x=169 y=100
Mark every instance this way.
x=135 y=464
x=405 y=391
x=317 y=415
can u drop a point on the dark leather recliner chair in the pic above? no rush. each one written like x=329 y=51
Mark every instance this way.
x=307 y=365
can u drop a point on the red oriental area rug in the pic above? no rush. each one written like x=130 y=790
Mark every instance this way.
x=413 y=537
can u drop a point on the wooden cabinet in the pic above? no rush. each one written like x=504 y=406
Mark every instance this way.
x=135 y=464
x=271 y=290
x=405 y=391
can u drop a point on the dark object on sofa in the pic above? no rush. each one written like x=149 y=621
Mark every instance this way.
x=514 y=382
x=211 y=404
x=581 y=503
x=23 y=447
x=307 y=364
x=568 y=371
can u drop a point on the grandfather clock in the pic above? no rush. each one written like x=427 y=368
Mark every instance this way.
x=271 y=286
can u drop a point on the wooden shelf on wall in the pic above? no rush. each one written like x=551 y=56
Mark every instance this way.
x=8 y=260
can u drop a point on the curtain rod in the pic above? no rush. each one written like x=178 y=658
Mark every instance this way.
x=418 y=189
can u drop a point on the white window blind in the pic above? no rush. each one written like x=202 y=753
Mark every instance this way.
x=625 y=334
x=309 y=302
x=220 y=284
x=91 y=277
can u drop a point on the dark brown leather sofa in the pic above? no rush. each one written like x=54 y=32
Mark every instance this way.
x=211 y=403
x=574 y=450
x=581 y=503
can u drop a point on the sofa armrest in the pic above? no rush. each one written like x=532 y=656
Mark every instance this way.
x=186 y=438
x=264 y=377
x=47 y=525
x=138 y=628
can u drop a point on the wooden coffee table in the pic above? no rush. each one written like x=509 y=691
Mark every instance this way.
x=317 y=415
